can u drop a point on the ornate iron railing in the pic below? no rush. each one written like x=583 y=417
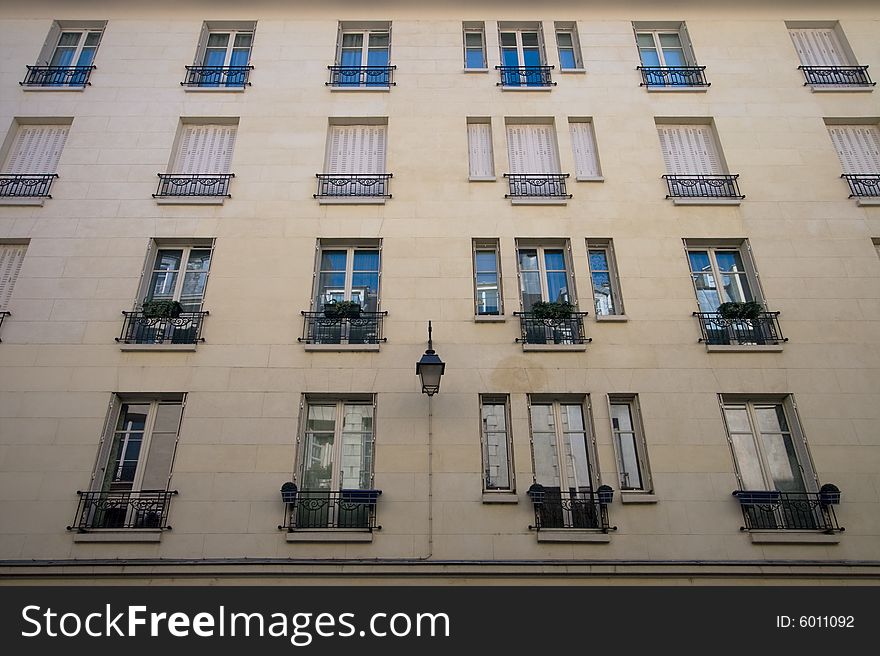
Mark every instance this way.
x=863 y=185
x=786 y=511
x=525 y=76
x=353 y=185
x=186 y=328
x=3 y=315
x=131 y=509
x=762 y=330
x=849 y=76
x=57 y=76
x=319 y=328
x=193 y=184
x=702 y=186
x=536 y=185
x=361 y=76
x=673 y=76
x=555 y=508
x=26 y=186
x=217 y=76
x=538 y=330
x=326 y=509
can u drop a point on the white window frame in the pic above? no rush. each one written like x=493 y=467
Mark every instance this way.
x=365 y=32
x=507 y=443
x=656 y=33
x=607 y=246
x=571 y=29
x=475 y=28
x=81 y=43
x=639 y=444
x=154 y=252
x=750 y=273
x=347 y=291
x=541 y=247
x=487 y=245
x=202 y=55
x=519 y=30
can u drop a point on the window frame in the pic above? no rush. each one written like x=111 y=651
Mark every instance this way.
x=350 y=248
x=365 y=32
x=687 y=52
x=712 y=247
x=202 y=55
x=154 y=251
x=607 y=246
x=486 y=123
x=475 y=28
x=496 y=400
x=541 y=246
x=520 y=29
x=571 y=29
x=640 y=445
x=486 y=245
x=80 y=46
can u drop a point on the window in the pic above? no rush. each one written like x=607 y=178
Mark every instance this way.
x=662 y=48
x=858 y=148
x=667 y=57
x=630 y=447
x=354 y=165
x=474 y=35
x=362 y=55
x=223 y=55
x=603 y=274
x=130 y=486
x=523 y=62
x=722 y=274
x=544 y=273
x=496 y=443
x=348 y=273
x=202 y=160
x=825 y=56
x=694 y=165
x=480 y=155
x=32 y=159
x=68 y=55
x=11 y=259
x=583 y=142
x=534 y=161
x=568 y=46
x=487 y=278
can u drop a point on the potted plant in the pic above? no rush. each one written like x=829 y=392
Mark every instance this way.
x=342 y=310
x=605 y=494
x=288 y=492
x=161 y=309
x=829 y=494
x=735 y=310
x=552 y=310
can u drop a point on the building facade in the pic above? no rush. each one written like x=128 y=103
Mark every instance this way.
x=646 y=242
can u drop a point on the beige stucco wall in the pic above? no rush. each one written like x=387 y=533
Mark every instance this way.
x=812 y=246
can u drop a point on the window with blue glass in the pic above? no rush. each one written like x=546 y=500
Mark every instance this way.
x=721 y=274
x=568 y=47
x=545 y=274
x=225 y=58
x=363 y=57
x=474 y=46
x=522 y=57
x=487 y=278
x=348 y=273
x=68 y=56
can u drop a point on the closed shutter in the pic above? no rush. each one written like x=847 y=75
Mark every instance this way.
x=584 y=144
x=532 y=149
x=858 y=147
x=480 y=150
x=818 y=47
x=356 y=149
x=205 y=149
x=11 y=258
x=689 y=150
x=36 y=149
x=163 y=442
x=50 y=44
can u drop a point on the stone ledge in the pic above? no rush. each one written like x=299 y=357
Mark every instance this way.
x=329 y=536
x=341 y=347
x=133 y=535
x=500 y=497
x=744 y=348
x=572 y=535
x=793 y=537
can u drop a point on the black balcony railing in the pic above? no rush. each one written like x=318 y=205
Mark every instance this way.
x=353 y=185
x=193 y=184
x=847 y=76
x=702 y=186
x=123 y=510
x=525 y=76
x=555 y=508
x=26 y=186
x=186 y=328
x=673 y=76
x=361 y=76
x=57 y=76
x=863 y=185
x=364 y=329
x=719 y=331
x=3 y=315
x=792 y=511
x=536 y=185
x=326 y=509
x=540 y=330
x=217 y=76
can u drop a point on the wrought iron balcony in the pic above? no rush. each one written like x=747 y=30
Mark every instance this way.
x=326 y=509
x=26 y=186
x=353 y=185
x=193 y=184
x=540 y=330
x=217 y=76
x=186 y=328
x=536 y=185
x=555 y=508
x=361 y=76
x=123 y=510
x=3 y=315
x=318 y=328
x=719 y=331
x=57 y=76
x=525 y=76
x=702 y=186
x=786 y=511
x=846 y=76
x=863 y=185
x=673 y=76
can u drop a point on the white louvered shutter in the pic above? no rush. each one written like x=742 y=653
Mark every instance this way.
x=689 y=150
x=858 y=147
x=36 y=149
x=818 y=47
x=532 y=149
x=516 y=149
x=356 y=149
x=583 y=143
x=205 y=149
x=480 y=150
x=11 y=258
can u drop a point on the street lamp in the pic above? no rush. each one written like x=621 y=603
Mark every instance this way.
x=430 y=368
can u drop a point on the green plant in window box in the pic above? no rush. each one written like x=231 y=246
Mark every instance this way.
x=552 y=310
x=161 y=309
x=747 y=310
x=342 y=310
